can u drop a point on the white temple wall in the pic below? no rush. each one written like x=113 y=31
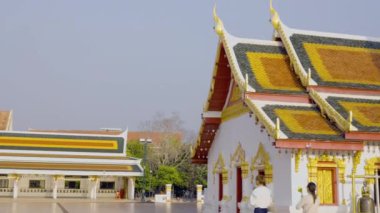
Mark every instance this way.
x=245 y=131
x=286 y=180
x=282 y=176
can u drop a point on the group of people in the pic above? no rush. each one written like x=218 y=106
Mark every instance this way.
x=261 y=198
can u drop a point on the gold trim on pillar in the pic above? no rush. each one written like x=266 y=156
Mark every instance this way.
x=220 y=167
x=326 y=160
x=14 y=176
x=58 y=177
x=262 y=160
x=370 y=168
x=238 y=159
x=356 y=161
x=298 y=156
x=93 y=178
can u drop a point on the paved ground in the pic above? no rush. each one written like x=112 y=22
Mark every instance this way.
x=46 y=205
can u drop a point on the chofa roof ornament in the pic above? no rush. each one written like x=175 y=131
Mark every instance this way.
x=218 y=23
x=275 y=19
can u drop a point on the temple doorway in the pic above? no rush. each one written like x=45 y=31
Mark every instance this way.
x=220 y=188
x=239 y=188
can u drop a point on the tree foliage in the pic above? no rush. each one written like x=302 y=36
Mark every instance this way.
x=167 y=175
x=168 y=160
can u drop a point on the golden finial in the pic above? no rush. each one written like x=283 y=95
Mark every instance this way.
x=218 y=23
x=274 y=16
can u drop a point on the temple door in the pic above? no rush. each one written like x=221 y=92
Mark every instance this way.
x=326 y=184
x=220 y=193
x=239 y=188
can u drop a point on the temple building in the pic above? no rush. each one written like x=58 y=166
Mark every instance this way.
x=57 y=164
x=304 y=106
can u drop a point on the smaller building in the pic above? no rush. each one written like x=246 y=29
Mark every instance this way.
x=81 y=164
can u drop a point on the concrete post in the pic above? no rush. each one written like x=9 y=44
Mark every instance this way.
x=131 y=188
x=15 y=187
x=168 y=192
x=199 y=193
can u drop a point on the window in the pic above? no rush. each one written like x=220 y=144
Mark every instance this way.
x=36 y=184
x=107 y=185
x=72 y=184
x=326 y=183
x=4 y=183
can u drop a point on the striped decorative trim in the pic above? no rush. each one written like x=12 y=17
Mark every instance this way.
x=68 y=166
x=72 y=143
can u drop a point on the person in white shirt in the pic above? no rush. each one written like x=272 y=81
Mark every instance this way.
x=261 y=197
x=310 y=202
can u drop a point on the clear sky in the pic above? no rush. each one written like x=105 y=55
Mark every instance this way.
x=74 y=64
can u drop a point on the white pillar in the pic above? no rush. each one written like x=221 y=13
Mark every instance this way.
x=55 y=188
x=168 y=192
x=15 y=188
x=94 y=188
x=131 y=188
x=199 y=193
x=225 y=203
x=244 y=204
x=92 y=184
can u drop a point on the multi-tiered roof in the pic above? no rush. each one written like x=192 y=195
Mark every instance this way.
x=99 y=153
x=310 y=90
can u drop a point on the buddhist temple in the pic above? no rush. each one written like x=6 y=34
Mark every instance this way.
x=303 y=106
x=70 y=164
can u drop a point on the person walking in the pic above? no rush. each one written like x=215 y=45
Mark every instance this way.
x=260 y=198
x=310 y=202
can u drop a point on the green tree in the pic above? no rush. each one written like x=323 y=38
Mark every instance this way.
x=167 y=175
x=170 y=158
x=135 y=149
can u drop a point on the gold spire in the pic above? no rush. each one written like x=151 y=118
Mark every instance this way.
x=274 y=16
x=218 y=23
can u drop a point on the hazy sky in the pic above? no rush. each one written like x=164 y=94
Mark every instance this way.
x=74 y=64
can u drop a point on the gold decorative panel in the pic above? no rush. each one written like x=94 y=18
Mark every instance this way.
x=325 y=185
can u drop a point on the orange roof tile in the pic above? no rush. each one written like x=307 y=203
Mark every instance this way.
x=157 y=137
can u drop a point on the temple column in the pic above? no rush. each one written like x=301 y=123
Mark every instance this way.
x=131 y=188
x=168 y=192
x=225 y=203
x=244 y=204
x=93 y=182
x=15 y=186
x=55 y=187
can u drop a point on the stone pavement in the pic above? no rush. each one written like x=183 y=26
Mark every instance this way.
x=47 y=205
